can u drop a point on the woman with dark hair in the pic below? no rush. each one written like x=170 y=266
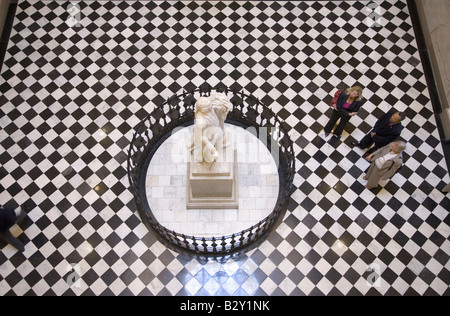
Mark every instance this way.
x=347 y=105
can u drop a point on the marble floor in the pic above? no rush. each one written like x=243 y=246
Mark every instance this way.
x=75 y=82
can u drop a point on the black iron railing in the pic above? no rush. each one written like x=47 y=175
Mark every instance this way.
x=247 y=111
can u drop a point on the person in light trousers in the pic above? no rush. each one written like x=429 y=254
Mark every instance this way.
x=385 y=163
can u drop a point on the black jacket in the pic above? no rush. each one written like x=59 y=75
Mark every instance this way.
x=7 y=219
x=354 y=107
x=386 y=134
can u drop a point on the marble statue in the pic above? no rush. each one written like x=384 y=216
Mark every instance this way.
x=209 y=138
x=212 y=171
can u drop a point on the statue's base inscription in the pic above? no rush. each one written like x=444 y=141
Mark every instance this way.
x=212 y=185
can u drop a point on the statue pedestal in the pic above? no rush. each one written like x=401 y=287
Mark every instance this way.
x=212 y=185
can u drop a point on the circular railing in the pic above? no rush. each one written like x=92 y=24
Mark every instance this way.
x=247 y=111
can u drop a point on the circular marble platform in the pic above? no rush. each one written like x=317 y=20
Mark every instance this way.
x=166 y=186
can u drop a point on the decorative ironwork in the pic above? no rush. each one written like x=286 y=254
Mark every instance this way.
x=178 y=111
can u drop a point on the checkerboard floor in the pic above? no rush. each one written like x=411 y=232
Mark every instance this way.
x=72 y=94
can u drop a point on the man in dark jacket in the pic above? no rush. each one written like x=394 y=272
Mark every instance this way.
x=386 y=130
x=9 y=218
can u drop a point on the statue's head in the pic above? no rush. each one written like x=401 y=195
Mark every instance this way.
x=220 y=102
x=203 y=105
